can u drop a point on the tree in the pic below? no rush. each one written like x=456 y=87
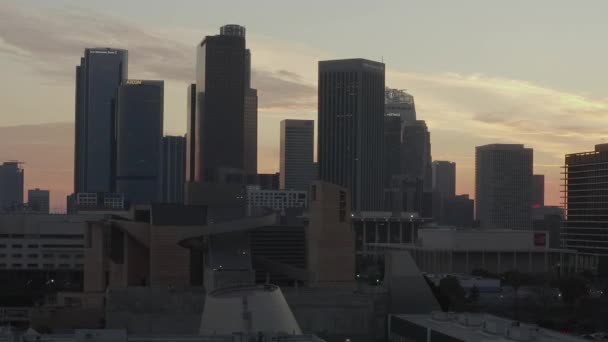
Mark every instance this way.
x=516 y=279
x=450 y=287
x=573 y=288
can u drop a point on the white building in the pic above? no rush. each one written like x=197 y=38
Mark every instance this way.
x=275 y=199
x=449 y=250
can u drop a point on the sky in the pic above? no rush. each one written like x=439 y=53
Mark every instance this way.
x=520 y=71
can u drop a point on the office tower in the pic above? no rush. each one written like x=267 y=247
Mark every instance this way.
x=38 y=200
x=174 y=164
x=250 y=135
x=351 y=129
x=538 y=191
x=392 y=147
x=297 y=148
x=11 y=185
x=585 y=202
x=503 y=186
x=399 y=103
x=98 y=76
x=139 y=132
x=457 y=211
x=416 y=153
x=444 y=178
x=221 y=67
x=190 y=136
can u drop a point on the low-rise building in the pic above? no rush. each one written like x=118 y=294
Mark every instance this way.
x=275 y=199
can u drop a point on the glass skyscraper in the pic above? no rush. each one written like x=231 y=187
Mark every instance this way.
x=174 y=169
x=221 y=84
x=351 y=129
x=139 y=132
x=98 y=76
x=11 y=185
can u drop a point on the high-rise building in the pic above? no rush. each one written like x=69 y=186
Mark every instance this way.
x=399 y=103
x=503 y=186
x=538 y=191
x=98 y=76
x=444 y=178
x=297 y=148
x=250 y=136
x=190 y=136
x=174 y=164
x=11 y=185
x=38 y=200
x=416 y=153
x=351 y=129
x=393 y=167
x=139 y=132
x=585 y=228
x=221 y=67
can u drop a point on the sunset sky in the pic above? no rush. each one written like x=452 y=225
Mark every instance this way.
x=531 y=72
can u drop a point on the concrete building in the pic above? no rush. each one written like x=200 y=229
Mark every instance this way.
x=98 y=76
x=250 y=138
x=351 y=129
x=297 y=169
x=174 y=169
x=275 y=199
x=457 y=211
x=91 y=201
x=11 y=186
x=330 y=239
x=39 y=200
x=444 y=178
x=538 y=191
x=266 y=181
x=221 y=85
x=468 y=327
x=139 y=134
x=448 y=250
x=416 y=153
x=585 y=227
x=503 y=186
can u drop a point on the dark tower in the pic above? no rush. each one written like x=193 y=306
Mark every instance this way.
x=351 y=129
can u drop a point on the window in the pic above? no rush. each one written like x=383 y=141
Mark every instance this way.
x=64 y=256
x=79 y=256
x=32 y=246
x=47 y=265
x=313 y=190
x=16 y=265
x=17 y=255
x=2 y=255
x=64 y=265
x=17 y=246
x=2 y=246
x=32 y=265
x=33 y=256
x=2 y=265
x=62 y=246
x=342 y=206
x=47 y=256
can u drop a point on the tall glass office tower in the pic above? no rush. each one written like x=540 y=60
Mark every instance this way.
x=139 y=133
x=99 y=74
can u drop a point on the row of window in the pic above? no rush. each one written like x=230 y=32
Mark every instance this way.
x=42 y=236
x=44 y=256
x=3 y=265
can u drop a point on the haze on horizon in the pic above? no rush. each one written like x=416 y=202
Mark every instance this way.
x=481 y=72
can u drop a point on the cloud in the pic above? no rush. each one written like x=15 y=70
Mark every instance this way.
x=52 y=41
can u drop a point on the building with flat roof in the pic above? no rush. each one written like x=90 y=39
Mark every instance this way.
x=11 y=186
x=503 y=186
x=38 y=200
x=468 y=327
x=174 y=169
x=275 y=199
x=444 y=178
x=296 y=159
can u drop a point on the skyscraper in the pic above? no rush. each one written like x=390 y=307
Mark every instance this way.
x=351 y=129
x=250 y=135
x=585 y=228
x=99 y=74
x=392 y=147
x=297 y=148
x=190 y=136
x=444 y=178
x=11 y=185
x=503 y=186
x=416 y=153
x=538 y=191
x=139 y=131
x=174 y=164
x=221 y=67
x=39 y=200
x=399 y=103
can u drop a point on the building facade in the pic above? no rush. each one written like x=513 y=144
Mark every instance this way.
x=351 y=129
x=174 y=169
x=416 y=153
x=398 y=102
x=275 y=199
x=39 y=200
x=538 y=191
x=585 y=194
x=98 y=76
x=139 y=132
x=190 y=136
x=296 y=154
x=444 y=178
x=11 y=185
x=221 y=67
x=250 y=138
x=503 y=186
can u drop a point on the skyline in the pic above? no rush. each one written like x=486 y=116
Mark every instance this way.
x=488 y=104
